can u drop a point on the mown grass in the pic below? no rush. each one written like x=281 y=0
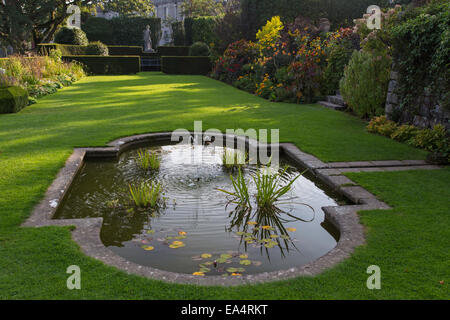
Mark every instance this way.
x=409 y=243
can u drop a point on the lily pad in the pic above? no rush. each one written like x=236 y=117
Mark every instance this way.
x=148 y=248
x=252 y=223
x=243 y=256
x=206 y=255
x=274 y=236
x=231 y=270
x=150 y=231
x=199 y=273
x=245 y=262
x=226 y=256
x=291 y=229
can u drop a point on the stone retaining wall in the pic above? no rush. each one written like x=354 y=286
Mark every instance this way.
x=425 y=114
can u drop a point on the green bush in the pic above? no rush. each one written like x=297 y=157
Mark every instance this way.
x=66 y=50
x=188 y=32
x=365 y=82
x=203 y=30
x=199 y=49
x=404 y=133
x=97 y=49
x=109 y=64
x=173 y=51
x=186 y=65
x=125 y=50
x=338 y=57
x=13 y=99
x=178 y=33
x=72 y=36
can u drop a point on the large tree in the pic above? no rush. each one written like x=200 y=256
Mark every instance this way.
x=24 y=20
x=198 y=8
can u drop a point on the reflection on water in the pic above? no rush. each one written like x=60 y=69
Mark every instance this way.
x=196 y=231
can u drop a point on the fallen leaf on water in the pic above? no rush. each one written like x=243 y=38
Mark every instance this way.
x=252 y=223
x=291 y=229
x=198 y=273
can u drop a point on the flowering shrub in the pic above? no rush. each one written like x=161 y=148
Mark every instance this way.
x=270 y=33
x=228 y=68
x=39 y=75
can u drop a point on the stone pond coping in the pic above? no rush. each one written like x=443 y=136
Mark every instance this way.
x=87 y=231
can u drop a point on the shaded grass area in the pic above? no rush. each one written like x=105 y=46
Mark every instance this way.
x=408 y=243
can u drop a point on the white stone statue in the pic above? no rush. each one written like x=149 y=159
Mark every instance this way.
x=166 y=34
x=148 y=40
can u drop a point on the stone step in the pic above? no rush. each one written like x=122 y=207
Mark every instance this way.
x=337 y=99
x=332 y=105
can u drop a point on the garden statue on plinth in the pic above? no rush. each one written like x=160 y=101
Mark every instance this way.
x=148 y=40
x=166 y=34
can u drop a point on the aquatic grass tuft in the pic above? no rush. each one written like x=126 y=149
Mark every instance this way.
x=241 y=196
x=268 y=186
x=233 y=159
x=147 y=160
x=146 y=195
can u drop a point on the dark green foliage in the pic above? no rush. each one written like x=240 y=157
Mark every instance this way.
x=124 y=30
x=255 y=13
x=178 y=33
x=109 y=65
x=199 y=49
x=97 y=49
x=188 y=35
x=186 y=65
x=203 y=30
x=12 y=99
x=421 y=42
x=173 y=51
x=72 y=36
x=338 y=57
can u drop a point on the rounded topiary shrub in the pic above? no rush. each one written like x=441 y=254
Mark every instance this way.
x=97 y=49
x=72 y=36
x=199 y=49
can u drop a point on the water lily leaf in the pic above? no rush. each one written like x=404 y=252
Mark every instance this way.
x=205 y=269
x=198 y=273
x=240 y=233
x=291 y=229
x=225 y=275
x=221 y=260
x=169 y=238
x=252 y=223
x=240 y=269
x=243 y=256
x=150 y=231
x=274 y=236
x=148 y=248
x=231 y=270
x=208 y=263
x=180 y=237
x=161 y=239
x=256 y=263
x=206 y=255
x=285 y=237
x=250 y=242
x=245 y=262
x=196 y=258
x=248 y=239
x=269 y=245
x=236 y=274
x=267 y=227
x=226 y=256
x=182 y=233
x=177 y=244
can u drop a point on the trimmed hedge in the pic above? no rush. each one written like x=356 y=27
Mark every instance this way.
x=13 y=99
x=109 y=64
x=173 y=51
x=70 y=50
x=125 y=50
x=186 y=65
x=123 y=30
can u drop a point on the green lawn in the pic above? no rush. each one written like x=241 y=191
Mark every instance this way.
x=409 y=243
